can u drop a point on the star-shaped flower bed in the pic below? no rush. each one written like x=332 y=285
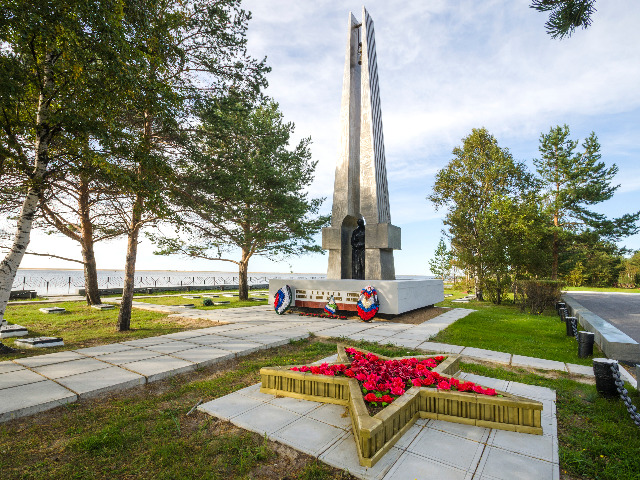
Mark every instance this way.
x=386 y=396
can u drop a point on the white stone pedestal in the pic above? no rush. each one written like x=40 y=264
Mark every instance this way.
x=395 y=296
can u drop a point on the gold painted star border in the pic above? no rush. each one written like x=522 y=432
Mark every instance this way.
x=376 y=434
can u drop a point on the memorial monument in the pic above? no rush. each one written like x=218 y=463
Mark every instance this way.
x=361 y=238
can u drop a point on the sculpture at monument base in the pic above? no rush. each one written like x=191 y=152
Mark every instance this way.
x=357 y=251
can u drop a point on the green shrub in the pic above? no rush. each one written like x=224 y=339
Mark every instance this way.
x=207 y=302
x=538 y=295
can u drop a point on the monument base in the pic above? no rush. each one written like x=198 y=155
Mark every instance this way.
x=395 y=296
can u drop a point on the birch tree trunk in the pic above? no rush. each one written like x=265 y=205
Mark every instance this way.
x=44 y=134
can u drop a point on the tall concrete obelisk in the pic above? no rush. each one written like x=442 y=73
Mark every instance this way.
x=360 y=189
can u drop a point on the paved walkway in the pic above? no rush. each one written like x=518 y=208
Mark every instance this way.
x=34 y=384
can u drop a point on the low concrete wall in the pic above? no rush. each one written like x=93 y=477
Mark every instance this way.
x=395 y=296
x=614 y=343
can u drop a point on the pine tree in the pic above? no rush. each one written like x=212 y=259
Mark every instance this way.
x=572 y=181
x=441 y=265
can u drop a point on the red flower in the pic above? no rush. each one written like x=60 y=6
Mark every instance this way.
x=489 y=391
x=478 y=389
x=371 y=397
x=397 y=391
x=387 y=399
x=443 y=385
x=416 y=382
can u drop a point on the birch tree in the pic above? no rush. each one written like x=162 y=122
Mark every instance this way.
x=58 y=60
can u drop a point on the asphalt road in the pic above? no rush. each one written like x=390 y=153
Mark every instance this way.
x=620 y=309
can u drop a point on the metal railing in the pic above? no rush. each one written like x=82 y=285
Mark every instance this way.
x=65 y=283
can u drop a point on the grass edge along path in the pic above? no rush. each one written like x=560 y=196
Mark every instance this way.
x=503 y=328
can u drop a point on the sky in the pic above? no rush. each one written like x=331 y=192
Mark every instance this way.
x=445 y=67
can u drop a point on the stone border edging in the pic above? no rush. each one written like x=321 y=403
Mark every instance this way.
x=613 y=342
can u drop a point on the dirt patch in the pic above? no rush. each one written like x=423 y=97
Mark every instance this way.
x=193 y=323
x=414 y=317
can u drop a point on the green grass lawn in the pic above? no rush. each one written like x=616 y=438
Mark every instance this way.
x=198 y=301
x=81 y=326
x=504 y=328
x=602 y=289
x=145 y=432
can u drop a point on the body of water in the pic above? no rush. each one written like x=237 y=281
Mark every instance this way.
x=63 y=282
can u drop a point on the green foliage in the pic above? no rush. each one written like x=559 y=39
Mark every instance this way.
x=504 y=328
x=493 y=216
x=207 y=302
x=245 y=187
x=575 y=277
x=536 y=296
x=571 y=182
x=440 y=265
x=566 y=15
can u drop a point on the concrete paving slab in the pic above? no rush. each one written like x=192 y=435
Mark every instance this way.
x=230 y=406
x=478 y=434
x=531 y=391
x=103 y=349
x=207 y=340
x=146 y=342
x=411 y=466
x=267 y=421
x=440 y=347
x=301 y=407
x=204 y=356
x=31 y=398
x=343 y=454
x=128 y=356
x=93 y=384
x=541 y=447
x=404 y=342
x=437 y=446
x=18 y=377
x=411 y=434
x=74 y=367
x=48 y=359
x=309 y=436
x=157 y=368
x=170 y=347
x=574 y=369
x=253 y=391
x=8 y=366
x=240 y=347
x=538 y=363
x=184 y=335
x=334 y=415
x=489 y=355
x=499 y=464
